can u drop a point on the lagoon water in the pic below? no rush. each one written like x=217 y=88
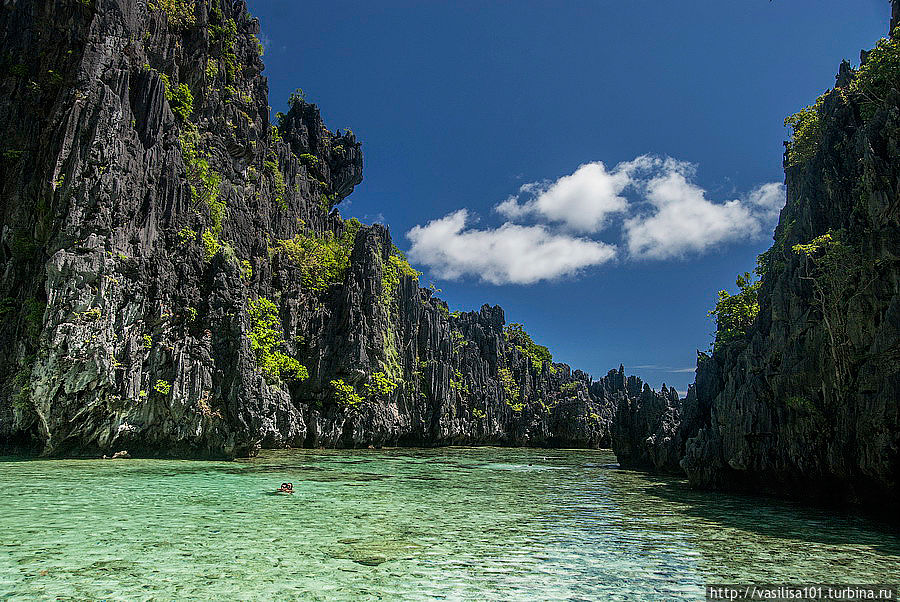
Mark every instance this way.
x=454 y=523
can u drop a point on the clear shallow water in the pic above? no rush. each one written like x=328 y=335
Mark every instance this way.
x=455 y=524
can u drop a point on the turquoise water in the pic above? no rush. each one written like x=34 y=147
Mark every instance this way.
x=455 y=524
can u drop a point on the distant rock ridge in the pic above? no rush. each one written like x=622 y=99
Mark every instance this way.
x=806 y=404
x=175 y=281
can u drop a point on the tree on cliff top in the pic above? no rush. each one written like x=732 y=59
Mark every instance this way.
x=736 y=313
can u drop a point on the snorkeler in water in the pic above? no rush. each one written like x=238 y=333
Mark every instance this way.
x=286 y=488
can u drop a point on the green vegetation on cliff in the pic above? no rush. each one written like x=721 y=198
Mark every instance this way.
x=381 y=384
x=870 y=85
x=807 y=130
x=345 y=395
x=211 y=245
x=511 y=389
x=181 y=101
x=272 y=167
x=266 y=336
x=162 y=387
x=222 y=39
x=205 y=182
x=878 y=75
x=178 y=12
x=323 y=260
x=537 y=354
x=835 y=268
x=391 y=271
x=735 y=313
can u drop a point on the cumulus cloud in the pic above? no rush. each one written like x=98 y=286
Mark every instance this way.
x=682 y=220
x=510 y=254
x=665 y=215
x=583 y=201
x=770 y=198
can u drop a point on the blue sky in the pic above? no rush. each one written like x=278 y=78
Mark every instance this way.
x=611 y=157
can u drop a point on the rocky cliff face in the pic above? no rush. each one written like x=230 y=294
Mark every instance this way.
x=650 y=430
x=644 y=428
x=806 y=402
x=175 y=280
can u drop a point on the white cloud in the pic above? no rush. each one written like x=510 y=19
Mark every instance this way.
x=583 y=201
x=683 y=220
x=669 y=216
x=510 y=254
x=769 y=197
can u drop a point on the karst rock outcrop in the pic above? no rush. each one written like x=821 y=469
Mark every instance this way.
x=805 y=401
x=175 y=278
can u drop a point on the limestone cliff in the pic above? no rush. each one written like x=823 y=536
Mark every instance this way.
x=806 y=401
x=175 y=278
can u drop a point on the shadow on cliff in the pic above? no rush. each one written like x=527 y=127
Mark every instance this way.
x=772 y=517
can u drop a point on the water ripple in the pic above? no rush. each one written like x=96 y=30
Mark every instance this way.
x=453 y=524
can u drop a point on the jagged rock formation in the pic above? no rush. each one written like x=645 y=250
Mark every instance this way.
x=644 y=425
x=174 y=279
x=806 y=403
x=651 y=430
